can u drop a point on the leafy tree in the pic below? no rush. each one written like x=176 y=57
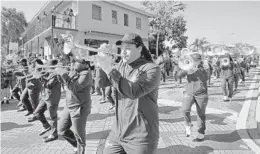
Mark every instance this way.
x=163 y=18
x=13 y=25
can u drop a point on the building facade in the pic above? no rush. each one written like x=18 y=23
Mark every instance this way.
x=90 y=22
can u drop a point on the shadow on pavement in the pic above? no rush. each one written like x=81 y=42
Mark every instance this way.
x=11 y=106
x=98 y=135
x=216 y=118
x=229 y=136
x=97 y=116
x=167 y=109
x=183 y=149
x=10 y=125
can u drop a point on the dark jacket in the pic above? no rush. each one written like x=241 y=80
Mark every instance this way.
x=78 y=89
x=101 y=78
x=197 y=82
x=53 y=88
x=137 y=120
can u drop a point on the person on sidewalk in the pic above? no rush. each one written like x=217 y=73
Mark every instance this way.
x=216 y=67
x=78 y=104
x=227 y=78
x=136 y=79
x=196 y=92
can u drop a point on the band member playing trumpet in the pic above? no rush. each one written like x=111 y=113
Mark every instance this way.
x=78 y=104
x=52 y=85
x=227 y=76
x=196 y=92
x=136 y=80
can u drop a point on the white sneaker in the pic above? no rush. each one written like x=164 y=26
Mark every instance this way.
x=229 y=98
x=188 y=131
x=225 y=98
x=200 y=137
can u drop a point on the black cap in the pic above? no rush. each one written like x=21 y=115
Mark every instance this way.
x=52 y=62
x=23 y=60
x=131 y=38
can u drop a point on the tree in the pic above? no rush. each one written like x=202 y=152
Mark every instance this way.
x=163 y=17
x=200 y=44
x=13 y=25
x=177 y=34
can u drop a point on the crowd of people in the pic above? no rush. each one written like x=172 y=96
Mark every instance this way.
x=130 y=83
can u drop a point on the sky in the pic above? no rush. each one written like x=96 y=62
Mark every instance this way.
x=225 y=22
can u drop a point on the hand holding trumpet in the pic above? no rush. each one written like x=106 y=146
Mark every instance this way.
x=104 y=61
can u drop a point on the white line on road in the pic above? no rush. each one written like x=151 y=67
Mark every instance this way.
x=242 y=119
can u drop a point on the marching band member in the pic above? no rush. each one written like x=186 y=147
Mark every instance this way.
x=216 y=67
x=227 y=77
x=22 y=83
x=52 y=85
x=176 y=70
x=237 y=73
x=243 y=67
x=196 y=92
x=136 y=80
x=78 y=104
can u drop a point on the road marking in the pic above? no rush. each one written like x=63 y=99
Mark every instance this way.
x=242 y=119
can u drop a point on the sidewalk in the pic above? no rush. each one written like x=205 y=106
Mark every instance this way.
x=21 y=137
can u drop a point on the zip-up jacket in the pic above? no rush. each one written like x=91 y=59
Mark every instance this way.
x=137 y=120
x=197 y=82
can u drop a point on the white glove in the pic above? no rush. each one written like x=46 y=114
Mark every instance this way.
x=104 y=61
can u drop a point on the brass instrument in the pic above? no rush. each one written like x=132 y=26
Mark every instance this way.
x=186 y=61
x=69 y=45
x=246 y=51
x=224 y=61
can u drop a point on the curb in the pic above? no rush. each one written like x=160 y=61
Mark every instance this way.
x=257 y=114
x=242 y=121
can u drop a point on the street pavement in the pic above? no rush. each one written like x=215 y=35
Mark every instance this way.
x=20 y=137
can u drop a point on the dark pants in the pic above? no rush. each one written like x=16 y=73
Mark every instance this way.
x=25 y=100
x=107 y=93
x=208 y=75
x=201 y=104
x=227 y=82
x=34 y=95
x=176 y=78
x=76 y=119
x=53 y=109
x=117 y=147
x=236 y=79
x=216 y=72
x=39 y=114
x=243 y=74
x=163 y=75
x=15 y=93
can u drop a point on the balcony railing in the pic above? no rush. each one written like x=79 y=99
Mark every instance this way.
x=58 y=21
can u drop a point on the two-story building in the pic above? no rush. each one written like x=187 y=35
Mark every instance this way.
x=90 y=22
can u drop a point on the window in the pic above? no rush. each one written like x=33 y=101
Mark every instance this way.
x=126 y=19
x=96 y=12
x=138 y=23
x=114 y=17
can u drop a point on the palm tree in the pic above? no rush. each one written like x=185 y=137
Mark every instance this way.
x=200 y=45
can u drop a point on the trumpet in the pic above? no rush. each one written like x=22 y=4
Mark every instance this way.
x=224 y=61
x=69 y=45
x=56 y=66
